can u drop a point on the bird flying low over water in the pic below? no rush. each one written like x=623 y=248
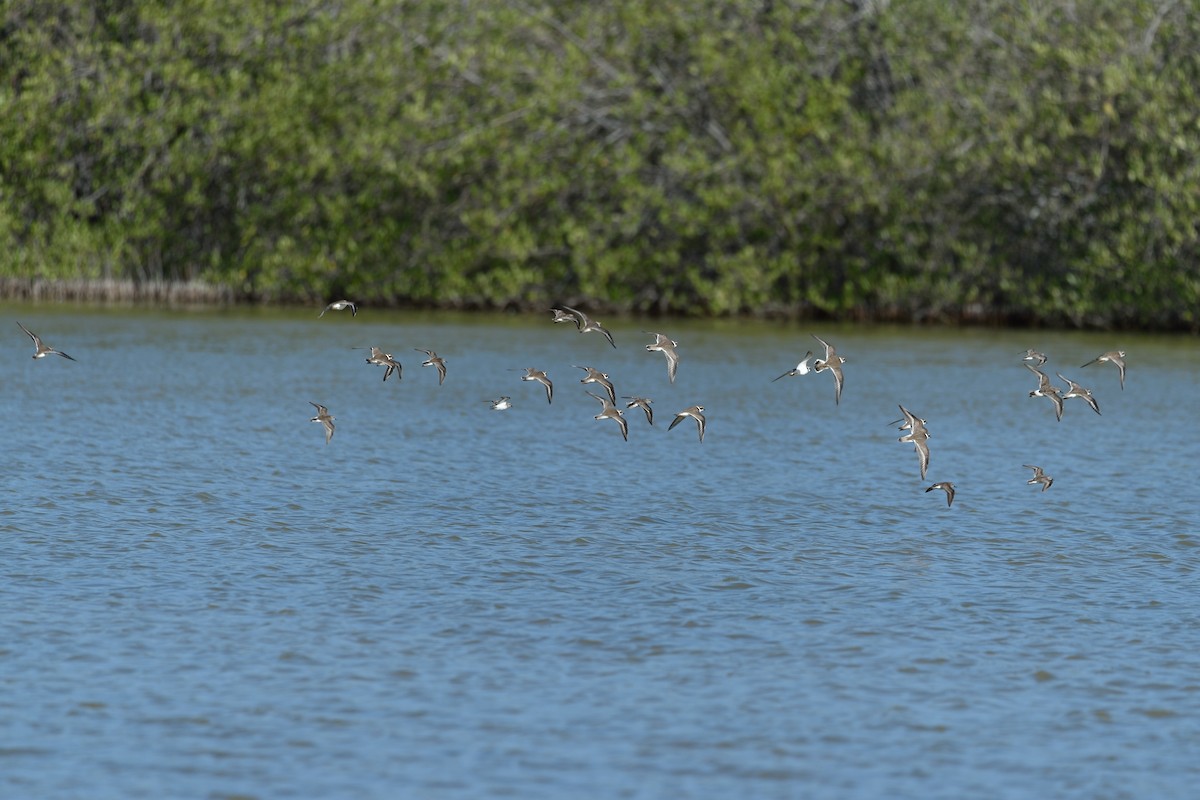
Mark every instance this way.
x=1033 y=355
x=918 y=436
x=800 y=369
x=583 y=322
x=667 y=347
x=325 y=418
x=432 y=359
x=610 y=411
x=947 y=487
x=1048 y=390
x=41 y=349
x=340 y=305
x=696 y=413
x=382 y=359
x=1075 y=390
x=909 y=419
x=1039 y=476
x=832 y=362
x=600 y=378
x=500 y=404
x=643 y=403
x=1114 y=357
x=541 y=377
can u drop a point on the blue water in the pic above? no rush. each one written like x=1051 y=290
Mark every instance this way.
x=204 y=600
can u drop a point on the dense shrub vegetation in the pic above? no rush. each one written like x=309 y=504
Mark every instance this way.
x=915 y=159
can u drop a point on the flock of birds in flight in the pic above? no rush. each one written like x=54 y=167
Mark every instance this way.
x=584 y=324
x=831 y=362
x=919 y=436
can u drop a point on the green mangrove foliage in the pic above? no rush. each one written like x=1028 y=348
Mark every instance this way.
x=915 y=159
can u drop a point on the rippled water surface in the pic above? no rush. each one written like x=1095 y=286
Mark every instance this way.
x=203 y=599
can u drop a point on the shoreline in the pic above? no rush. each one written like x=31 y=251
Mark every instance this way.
x=199 y=294
x=109 y=291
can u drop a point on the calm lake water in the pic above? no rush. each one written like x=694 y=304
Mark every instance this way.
x=201 y=599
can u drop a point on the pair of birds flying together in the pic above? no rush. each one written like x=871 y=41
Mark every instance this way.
x=585 y=324
x=1039 y=476
x=832 y=362
x=918 y=435
x=382 y=359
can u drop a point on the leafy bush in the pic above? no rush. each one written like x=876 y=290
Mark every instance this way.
x=920 y=160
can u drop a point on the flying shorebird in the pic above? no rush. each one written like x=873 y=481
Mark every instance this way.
x=610 y=411
x=918 y=435
x=1075 y=390
x=583 y=322
x=948 y=487
x=908 y=419
x=340 y=305
x=501 y=404
x=1115 y=357
x=800 y=369
x=921 y=443
x=42 y=349
x=1039 y=476
x=541 y=377
x=325 y=418
x=667 y=347
x=434 y=360
x=696 y=413
x=832 y=362
x=1033 y=355
x=920 y=440
x=643 y=403
x=596 y=376
x=382 y=359
x=1047 y=389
